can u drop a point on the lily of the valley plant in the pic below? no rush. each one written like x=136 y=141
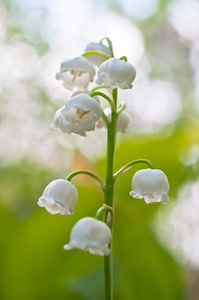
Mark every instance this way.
x=82 y=113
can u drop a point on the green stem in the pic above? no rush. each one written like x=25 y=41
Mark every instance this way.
x=123 y=58
x=129 y=165
x=105 y=118
x=96 y=52
x=99 y=87
x=73 y=174
x=105 y=97
x=121 y=108
x=109 y=193
x=109 y=44
x=109 y=209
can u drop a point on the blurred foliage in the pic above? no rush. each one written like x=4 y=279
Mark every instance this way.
x=33 y=32
x=33 y=263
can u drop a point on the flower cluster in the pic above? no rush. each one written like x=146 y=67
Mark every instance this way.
x=81 y=113
x=88 y=234
x=92 y=235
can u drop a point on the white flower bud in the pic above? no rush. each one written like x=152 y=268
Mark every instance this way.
x=90 y=235
x=115 y=73
x=96 y=59
x=122 y=120
x=76 y=72
x=78 y=115
x=60 y=196
x=150 y=184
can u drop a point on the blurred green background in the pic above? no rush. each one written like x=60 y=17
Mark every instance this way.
x=155 y=247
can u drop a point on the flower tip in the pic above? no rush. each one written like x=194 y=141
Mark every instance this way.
x=165 y=199
x=58 y=76
x=107 y=252
x=40 y=203
x=67 y=211
x=67 y=247
x=52 y=126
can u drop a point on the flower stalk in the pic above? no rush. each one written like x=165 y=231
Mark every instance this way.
x=93 y=94
x=111 y=215
x=99 y=87
x=80 y=114
x=109 y=44
x=85 y=172
x=109 y=194
x=129 y=165
x=96 y=53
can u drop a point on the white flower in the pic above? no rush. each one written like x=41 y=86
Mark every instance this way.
x=150 y=184
x=115 y=73
x=97 y=59
x=122 y=120
x=78 y=115
x=90 y=235
x=76 y=72
x=60 y=196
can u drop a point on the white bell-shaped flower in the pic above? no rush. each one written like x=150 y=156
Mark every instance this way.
x=60 y=196
x=150 y=184
x=78 y=115
x=90 y=235
x=115 y=73
x=76 y=72
x=122 y=120
x=97 y=59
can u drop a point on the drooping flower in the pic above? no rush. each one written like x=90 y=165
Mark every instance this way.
x=122 y=121
x=97 y=59
x=60 y=196
x=150 y=184
x=78 y=115
x=115 y=73
x=76 y=72
x=90 y=235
